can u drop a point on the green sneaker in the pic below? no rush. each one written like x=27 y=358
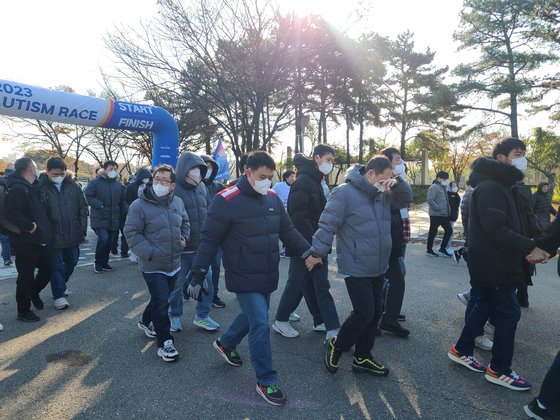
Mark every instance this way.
x=332 y=356
x=368 y=365
x=271 y=394
x=230 y=356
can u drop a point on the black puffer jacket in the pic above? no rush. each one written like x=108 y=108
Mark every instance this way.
x=497 y=247
x=306 y=200
x=214 y=187
x=107 y=199
x=23 y=208
x=195 y=198
x=401 y=197
x=542 y=203
x=67 y=209
x=247 y=225
x=454 y=204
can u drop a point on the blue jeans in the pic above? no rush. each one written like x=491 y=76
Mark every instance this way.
x=550 y=389
x=184 y=278
x=216 y=266
x=159 y=286
x=503 y=302
x=6 y=250
x=253 y=320
x=64 y=261
x=104 y=242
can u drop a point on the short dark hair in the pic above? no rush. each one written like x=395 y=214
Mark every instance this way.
x=379 y=164
x=165 y=168
x=56 y=162
x=287 y=174
x=110 y=162
x=442 y=174
x=506 y=145
x=322 y=149
x=21 y=165
x=243 y=160
x=260 y=158
x=389 y=152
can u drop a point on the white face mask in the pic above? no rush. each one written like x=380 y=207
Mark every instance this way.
x=520 y=163
x=112 y=174
x=208 y=174
x=379 y=186
x=145 y=180
x=454 y=189
x=194 y=174
x=445 y=183
x=160 y=190
x=326 y=168
x=262 y=186
x=37 y=173
x=57 y=179
x=400 y=169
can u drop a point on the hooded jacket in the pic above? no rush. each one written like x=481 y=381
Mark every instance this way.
x=107 y=199
x=437 y=200
x=153 y=230
x=542 y=203
x=132 y=188
x=306 y=200
x=497 y=247
x=213 y=186
x=24 y=207
x=454 y=200
x=247 y=225
x=360 y=217
x=67 y=210
x=401 y=197
x=195 y=198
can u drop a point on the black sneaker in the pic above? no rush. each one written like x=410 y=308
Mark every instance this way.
x=431 y=253
x=456 y=256
x=125 y=255
x=37 y=301
x=8 y=262
x=230 y=356
x=148 y=329
x=444 y=253
x=218 y=303
x=185 y=294
x=396 y=329
x=114 y=251
x=401 y=318
x=271 y=394
x=368 y=365
x=535 y=412
x=97 y=268
x=28 y=316
x=106 y=267
x=332 y=356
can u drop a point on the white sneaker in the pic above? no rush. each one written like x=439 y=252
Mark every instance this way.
x=294 y=317
x=464 y=298
x=284 y=329
x=168 y=352
x=332 y=333
x=1 y=327
x=132 y=257
x=483 y=342
x=61 y=303
x=320 y=328
x=489 y=329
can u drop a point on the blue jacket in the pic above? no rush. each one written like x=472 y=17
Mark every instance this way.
x=107 y=199
x=247 y=225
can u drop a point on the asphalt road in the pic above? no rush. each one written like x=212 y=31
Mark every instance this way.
x=91 y=361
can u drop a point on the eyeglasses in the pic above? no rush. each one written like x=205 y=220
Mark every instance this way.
x=162 y=181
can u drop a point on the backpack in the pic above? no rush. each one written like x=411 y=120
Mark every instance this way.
x=6 y=228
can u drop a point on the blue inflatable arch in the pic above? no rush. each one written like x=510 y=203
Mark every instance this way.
x=25 y=101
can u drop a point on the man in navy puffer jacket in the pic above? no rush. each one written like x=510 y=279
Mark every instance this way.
x=247 y=220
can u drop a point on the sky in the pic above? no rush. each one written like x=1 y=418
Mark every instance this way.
x=60 y=42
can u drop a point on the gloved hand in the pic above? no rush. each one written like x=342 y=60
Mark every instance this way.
x=198 y=285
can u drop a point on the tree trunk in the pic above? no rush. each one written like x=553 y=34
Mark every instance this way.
x=513 y=116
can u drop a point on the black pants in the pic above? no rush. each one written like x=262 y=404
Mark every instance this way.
x=359 y=328
x=115 y=243
x=395 y=290
x=29 y=257
x=435 y=223
x=159 y=286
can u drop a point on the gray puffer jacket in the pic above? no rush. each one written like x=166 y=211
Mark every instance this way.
x=437 y=200
x=153 y=230
x=195 y=198
x=360 y=216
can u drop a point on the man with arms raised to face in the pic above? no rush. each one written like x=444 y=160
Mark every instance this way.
x=247 y=220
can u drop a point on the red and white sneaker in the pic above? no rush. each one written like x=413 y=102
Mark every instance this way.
x=467 y=361
x=511 y=381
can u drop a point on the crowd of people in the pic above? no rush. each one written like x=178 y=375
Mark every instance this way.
x=181 y=226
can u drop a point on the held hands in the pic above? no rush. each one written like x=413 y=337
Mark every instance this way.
x=198 y=287
x=537 y=255
x=311 y=262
